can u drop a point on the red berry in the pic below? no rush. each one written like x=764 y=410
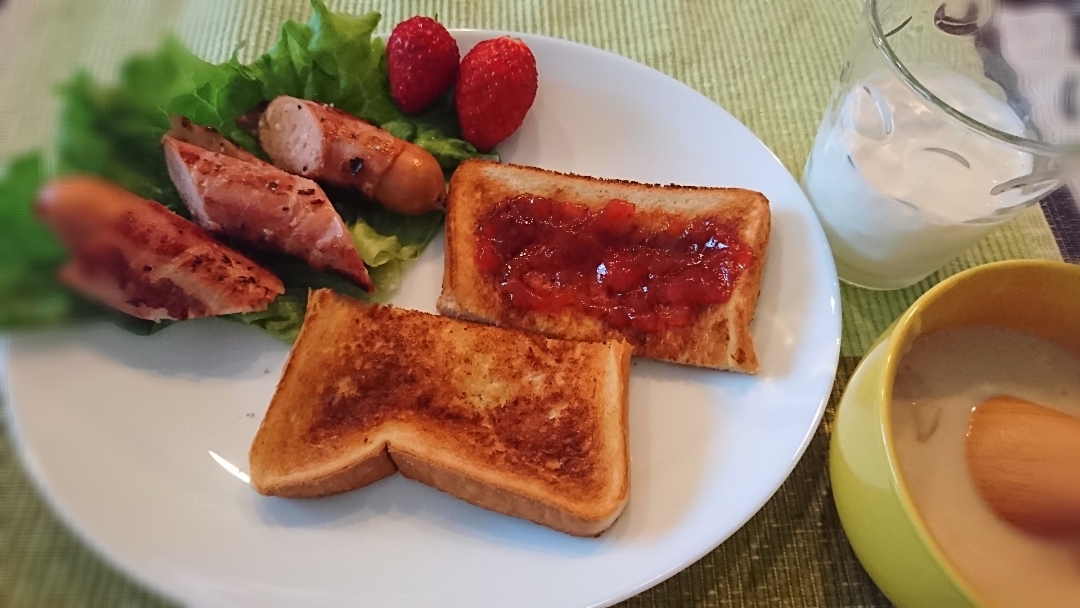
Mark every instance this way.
x=496 y=86
x=422 y=61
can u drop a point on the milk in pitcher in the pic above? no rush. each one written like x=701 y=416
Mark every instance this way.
x=901 y=187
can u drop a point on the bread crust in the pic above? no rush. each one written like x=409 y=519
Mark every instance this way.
x=509 y=421
x=720 y=337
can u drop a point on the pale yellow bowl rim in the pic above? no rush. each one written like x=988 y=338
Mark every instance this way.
x=896 y=337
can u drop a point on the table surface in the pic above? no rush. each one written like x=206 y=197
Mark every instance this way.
x=771 y=64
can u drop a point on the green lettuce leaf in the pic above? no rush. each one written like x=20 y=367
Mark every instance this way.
x=378 y=249
x=332 y=59
x=216 y=96
x=282 y=319
x=115 y=135
x=391 y=256
x=114 y=132
x=30 y=255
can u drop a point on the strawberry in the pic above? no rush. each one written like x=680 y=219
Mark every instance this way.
x=496 y=86
x=422 y=61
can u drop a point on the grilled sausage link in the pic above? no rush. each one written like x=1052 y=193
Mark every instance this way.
x=332 y=146
x=138 y=257
x=258 y=204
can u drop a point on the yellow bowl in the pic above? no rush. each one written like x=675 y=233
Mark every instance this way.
x=889 y=537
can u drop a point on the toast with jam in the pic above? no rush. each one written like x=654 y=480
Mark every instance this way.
x=510 y=421
x=673 y=270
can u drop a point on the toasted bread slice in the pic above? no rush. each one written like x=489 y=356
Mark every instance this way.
x=509 y=421
x=718 y=337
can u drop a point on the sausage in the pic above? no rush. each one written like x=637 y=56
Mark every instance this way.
x=261 y=205
x=207 y=139
x=331 y=146
x=140 y=258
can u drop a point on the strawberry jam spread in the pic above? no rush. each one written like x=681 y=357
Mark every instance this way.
x=634 y=270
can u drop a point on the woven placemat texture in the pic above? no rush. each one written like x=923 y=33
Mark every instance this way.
x=771 y=64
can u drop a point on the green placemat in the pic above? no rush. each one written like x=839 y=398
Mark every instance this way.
x=771 y=64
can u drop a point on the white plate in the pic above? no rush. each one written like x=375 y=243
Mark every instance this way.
x=135 y=440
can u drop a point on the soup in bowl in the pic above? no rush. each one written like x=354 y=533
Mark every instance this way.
x=900 y=478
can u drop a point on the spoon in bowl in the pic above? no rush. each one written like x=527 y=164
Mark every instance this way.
x=1025 y=461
